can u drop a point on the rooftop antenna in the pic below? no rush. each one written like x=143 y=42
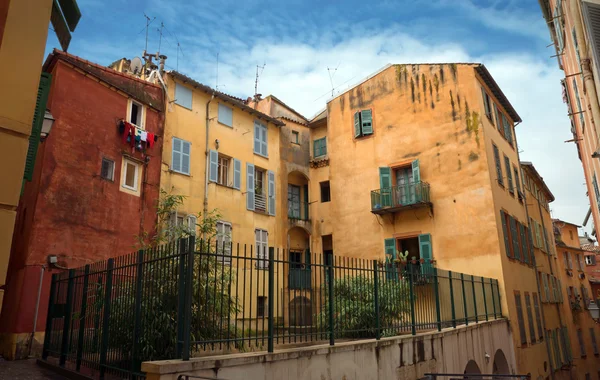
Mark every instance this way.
x=329 y=70
x=162 y=25
x=148 y=22
x=257 y=75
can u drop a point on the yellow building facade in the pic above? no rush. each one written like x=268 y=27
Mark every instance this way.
x=421 y=161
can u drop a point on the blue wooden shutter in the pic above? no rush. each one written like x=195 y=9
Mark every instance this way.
x=225 y=115
x=257 y=144
x=357 y=132
x=185 y=157
x=176 y=155
x=385 y=184
x=515 y=237
x=265 y=141
x=249 y=186
x=425 y=251
x=213 y=172
x=505 y=233
x=366 y=122
x=183 y=96
x=271 y=177
x=36 y=127
x=237 y=174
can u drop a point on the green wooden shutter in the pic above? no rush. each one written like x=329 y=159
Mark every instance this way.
x=416 y=171
x=385 y=184
x=366 y=122
x=515 y=238
x=357 y=132
x=505 y=233
x=271 y=188
x=524 y=250
x=306 y=215
x=425 y=251
x=498 y=165
x=36 y=127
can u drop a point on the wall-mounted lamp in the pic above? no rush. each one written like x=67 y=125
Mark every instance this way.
x=217 y=144
x=46 y=125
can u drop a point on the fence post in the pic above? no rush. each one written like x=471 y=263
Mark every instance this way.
x=330 y=296
x=106 y=316
x=82 y=317
x=484 y=299
x=474 y=299
x=189 y=281
x=411 y=295
x=437 y=299
x=137 y=312
x=64 y=348
x=493 y=298
x=271 y=299
x=49 y=317
x=181 y=295
x=462 y=283
x=376 y=297
x=452 y=299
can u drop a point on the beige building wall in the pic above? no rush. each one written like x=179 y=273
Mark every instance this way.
x=23 y=33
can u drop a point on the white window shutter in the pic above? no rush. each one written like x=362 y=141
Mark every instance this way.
x=271 y=176
x=213 y=171
x=237 y=174
x=250 y=186
x=191 y=224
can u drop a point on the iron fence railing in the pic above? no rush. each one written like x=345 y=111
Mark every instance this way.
x=400 y=196
x=191 y=299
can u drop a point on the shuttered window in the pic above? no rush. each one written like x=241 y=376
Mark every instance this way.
x=224 y=241
x=425 y=253
x=558 y=29
x=582 y=352
x=180 y=160
x=36 y=127
x=225 y=116
x=507 y=130
x=530 y=317
x=320 y=147
x=515 y=238
x=183 y=96
x=498 y=165
x=271 y=189
x=260 y=139
x=363 y=123
x=250 y=201
x=487 y=105
x=579 y=108
x=262 y=246
x=509 y=175
x=521 y=321
x=546 y=287
x=538 y=319
x=594 y=343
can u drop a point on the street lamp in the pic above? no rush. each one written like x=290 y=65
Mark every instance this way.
x=594 y=311
x=46 y=125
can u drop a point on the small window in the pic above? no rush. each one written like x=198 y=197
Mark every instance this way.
x=261 y=306
x=363 y=123
x=295 y=137
x=320 y=147
x=590 y=260
x=487 y=104
x=224 y=171
x=325 y=192
x=183 y=96
x=130 y=175
x=108 y=169
x=136 y=113
x=181 y=156
x=260 y=139
x=225 y=115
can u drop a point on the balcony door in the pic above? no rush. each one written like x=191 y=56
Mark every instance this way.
x=404 y=193
x=294 y=201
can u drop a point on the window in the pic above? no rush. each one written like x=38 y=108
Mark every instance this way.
x=260 y=139
x=136 y=114
x=585 y=295
x=320 y=147
x=183 y=96
x=487 y=104
x=590 y=260
x=262 y=253
x=325 y=192
x=546 y=288
x=507 y=130
x=295 y=137
x=130 y=175
x=518 y=183
x=514 y=238
x=225 y=115
x=363 y=123
x=557 y=19
x=294 y=203
x=568 y=260
x=224 y=241
x=594 y=343
x=259 y=190
x=579 y=109
x=521 y=321
x=582 y=352
x=530 y=318
x=498 y=166
x=107 y=171
x=538 y=319
x=180 y=161
x=579 y=262
x=509 y=175
x=223 y=171
x=498 y=124
x=261 y=306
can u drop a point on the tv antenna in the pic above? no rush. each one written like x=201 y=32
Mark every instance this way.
x=148 y=22
x=262 y=68
x=162 y=25
x=329 y=71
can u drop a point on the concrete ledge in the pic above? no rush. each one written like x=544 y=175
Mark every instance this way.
x=171 y=367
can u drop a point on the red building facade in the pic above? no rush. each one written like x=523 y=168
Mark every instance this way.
x=94 y=190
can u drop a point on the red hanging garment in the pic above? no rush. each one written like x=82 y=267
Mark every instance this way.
x=150 y=139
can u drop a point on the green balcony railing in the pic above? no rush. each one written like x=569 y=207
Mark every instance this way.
x=397 y=197
x=298 y=210
x=299 y=278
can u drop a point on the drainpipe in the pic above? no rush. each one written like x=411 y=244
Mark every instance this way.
x=588 y=77
x=37 y=307
x=205 y=205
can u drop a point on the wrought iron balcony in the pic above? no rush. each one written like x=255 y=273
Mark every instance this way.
x=299 y=278
x=260 y=202
x=298 y=210
x=396 y=198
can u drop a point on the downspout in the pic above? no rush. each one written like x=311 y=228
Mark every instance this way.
x=37 y=307
x=535 y=273
x=205 y=205
x=588 y=77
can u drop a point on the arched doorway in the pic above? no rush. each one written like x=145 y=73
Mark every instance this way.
x=300 y=312
x=500 y=366
x=471 y=368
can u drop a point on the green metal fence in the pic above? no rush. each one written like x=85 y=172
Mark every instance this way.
x=191 y=299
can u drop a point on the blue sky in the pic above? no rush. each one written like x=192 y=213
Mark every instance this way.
x=298 y=40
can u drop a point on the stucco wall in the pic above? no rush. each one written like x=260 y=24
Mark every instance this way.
x=406 y=358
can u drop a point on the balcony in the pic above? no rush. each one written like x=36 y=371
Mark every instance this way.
x=397 y=198
x=260 y=203
x=299 y=278
x=298 y=215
